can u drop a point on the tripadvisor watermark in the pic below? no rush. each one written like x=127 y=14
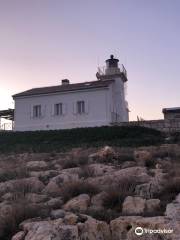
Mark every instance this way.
x=139 y=231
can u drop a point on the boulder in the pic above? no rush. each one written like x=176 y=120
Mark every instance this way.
x=58 y=213
x=94 y=230
x=155 y=185
x=19 y=236
x=97 y=201
x=133 y=206
x=53 y=230
x=36 y=198
x=134 y=174
x=79 y=203
x=173 y=211
x=63 y=178
x=44 y=175
x=70 y=219
x=52 y=189
x=36 y=165
x=100 y=169
x=123 y=228
x=33 y=184
x=128 y=164
x=55 y=203
x=152 y=205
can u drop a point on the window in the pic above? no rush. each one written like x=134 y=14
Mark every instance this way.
x=37 y=111
x=58 y=109
x=80 y=107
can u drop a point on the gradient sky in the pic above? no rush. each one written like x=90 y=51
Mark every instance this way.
x=44 y=41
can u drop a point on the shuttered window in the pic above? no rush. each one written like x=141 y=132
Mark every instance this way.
x=80 y=107
x=58 y=109
x=37 y=111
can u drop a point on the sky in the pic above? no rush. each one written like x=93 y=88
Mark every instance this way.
x=44 y=41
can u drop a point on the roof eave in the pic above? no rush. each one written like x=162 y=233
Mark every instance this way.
x=19 y=95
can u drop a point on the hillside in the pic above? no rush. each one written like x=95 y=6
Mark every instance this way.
x=69 y=185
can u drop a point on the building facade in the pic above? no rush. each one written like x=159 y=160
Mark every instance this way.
x=88 y=104
x=171 y=113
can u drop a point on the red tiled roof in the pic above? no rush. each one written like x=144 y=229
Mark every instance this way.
x=65 y=88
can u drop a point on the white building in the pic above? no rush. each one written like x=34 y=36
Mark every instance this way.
x=88 y=104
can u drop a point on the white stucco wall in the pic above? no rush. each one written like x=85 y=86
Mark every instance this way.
x=118 y=100
x=98 y=110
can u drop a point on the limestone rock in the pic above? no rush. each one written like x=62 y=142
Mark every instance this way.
x=53 y=230
x=32 y=183
x=44 y=175
x=152 y=205
x=94 y=230
x=52 y=189
x=97 y=200
x=58 y=213
x=173 y=211
x=70 y=219
x=133 y=206
x=37 y=165
x=19 y=236
x=55 y=203
x=147 y=190
x=79 y=203
x=63 y=178
x=123 y=228
x=128 y=164
x=36 y=198
x=138 y=174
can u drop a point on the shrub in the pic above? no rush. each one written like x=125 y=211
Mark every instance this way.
x=169 y=192
x=103 y=215
x=19 y=210
x=87 y=171
x=150 y=163
x=60 y=140
x=75 y=161
x=74 y=189
x=69 y=163
x=11 y=171
x=124 y=157
x=117 y=193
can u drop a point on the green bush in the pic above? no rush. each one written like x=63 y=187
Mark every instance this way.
x=60 y=140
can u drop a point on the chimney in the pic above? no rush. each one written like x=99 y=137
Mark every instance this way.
x=65 y=81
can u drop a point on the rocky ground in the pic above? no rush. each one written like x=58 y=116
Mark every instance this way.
x=90 y=194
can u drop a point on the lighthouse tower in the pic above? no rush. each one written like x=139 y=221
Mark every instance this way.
x=117 y=72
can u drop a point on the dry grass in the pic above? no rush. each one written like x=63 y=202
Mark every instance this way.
x=117 y=193
x=75 y=161
x=106 y=215
x=74 y=189
x=86 y=171
x=13 y=170
x=19 y=210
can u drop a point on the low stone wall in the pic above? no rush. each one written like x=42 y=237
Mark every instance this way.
x=172 y=125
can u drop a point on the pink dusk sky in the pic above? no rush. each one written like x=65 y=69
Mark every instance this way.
x=44 y=41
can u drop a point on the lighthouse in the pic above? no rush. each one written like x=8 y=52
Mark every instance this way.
x=117 y=72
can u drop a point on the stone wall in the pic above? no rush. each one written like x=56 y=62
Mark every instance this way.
x=171 y=125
